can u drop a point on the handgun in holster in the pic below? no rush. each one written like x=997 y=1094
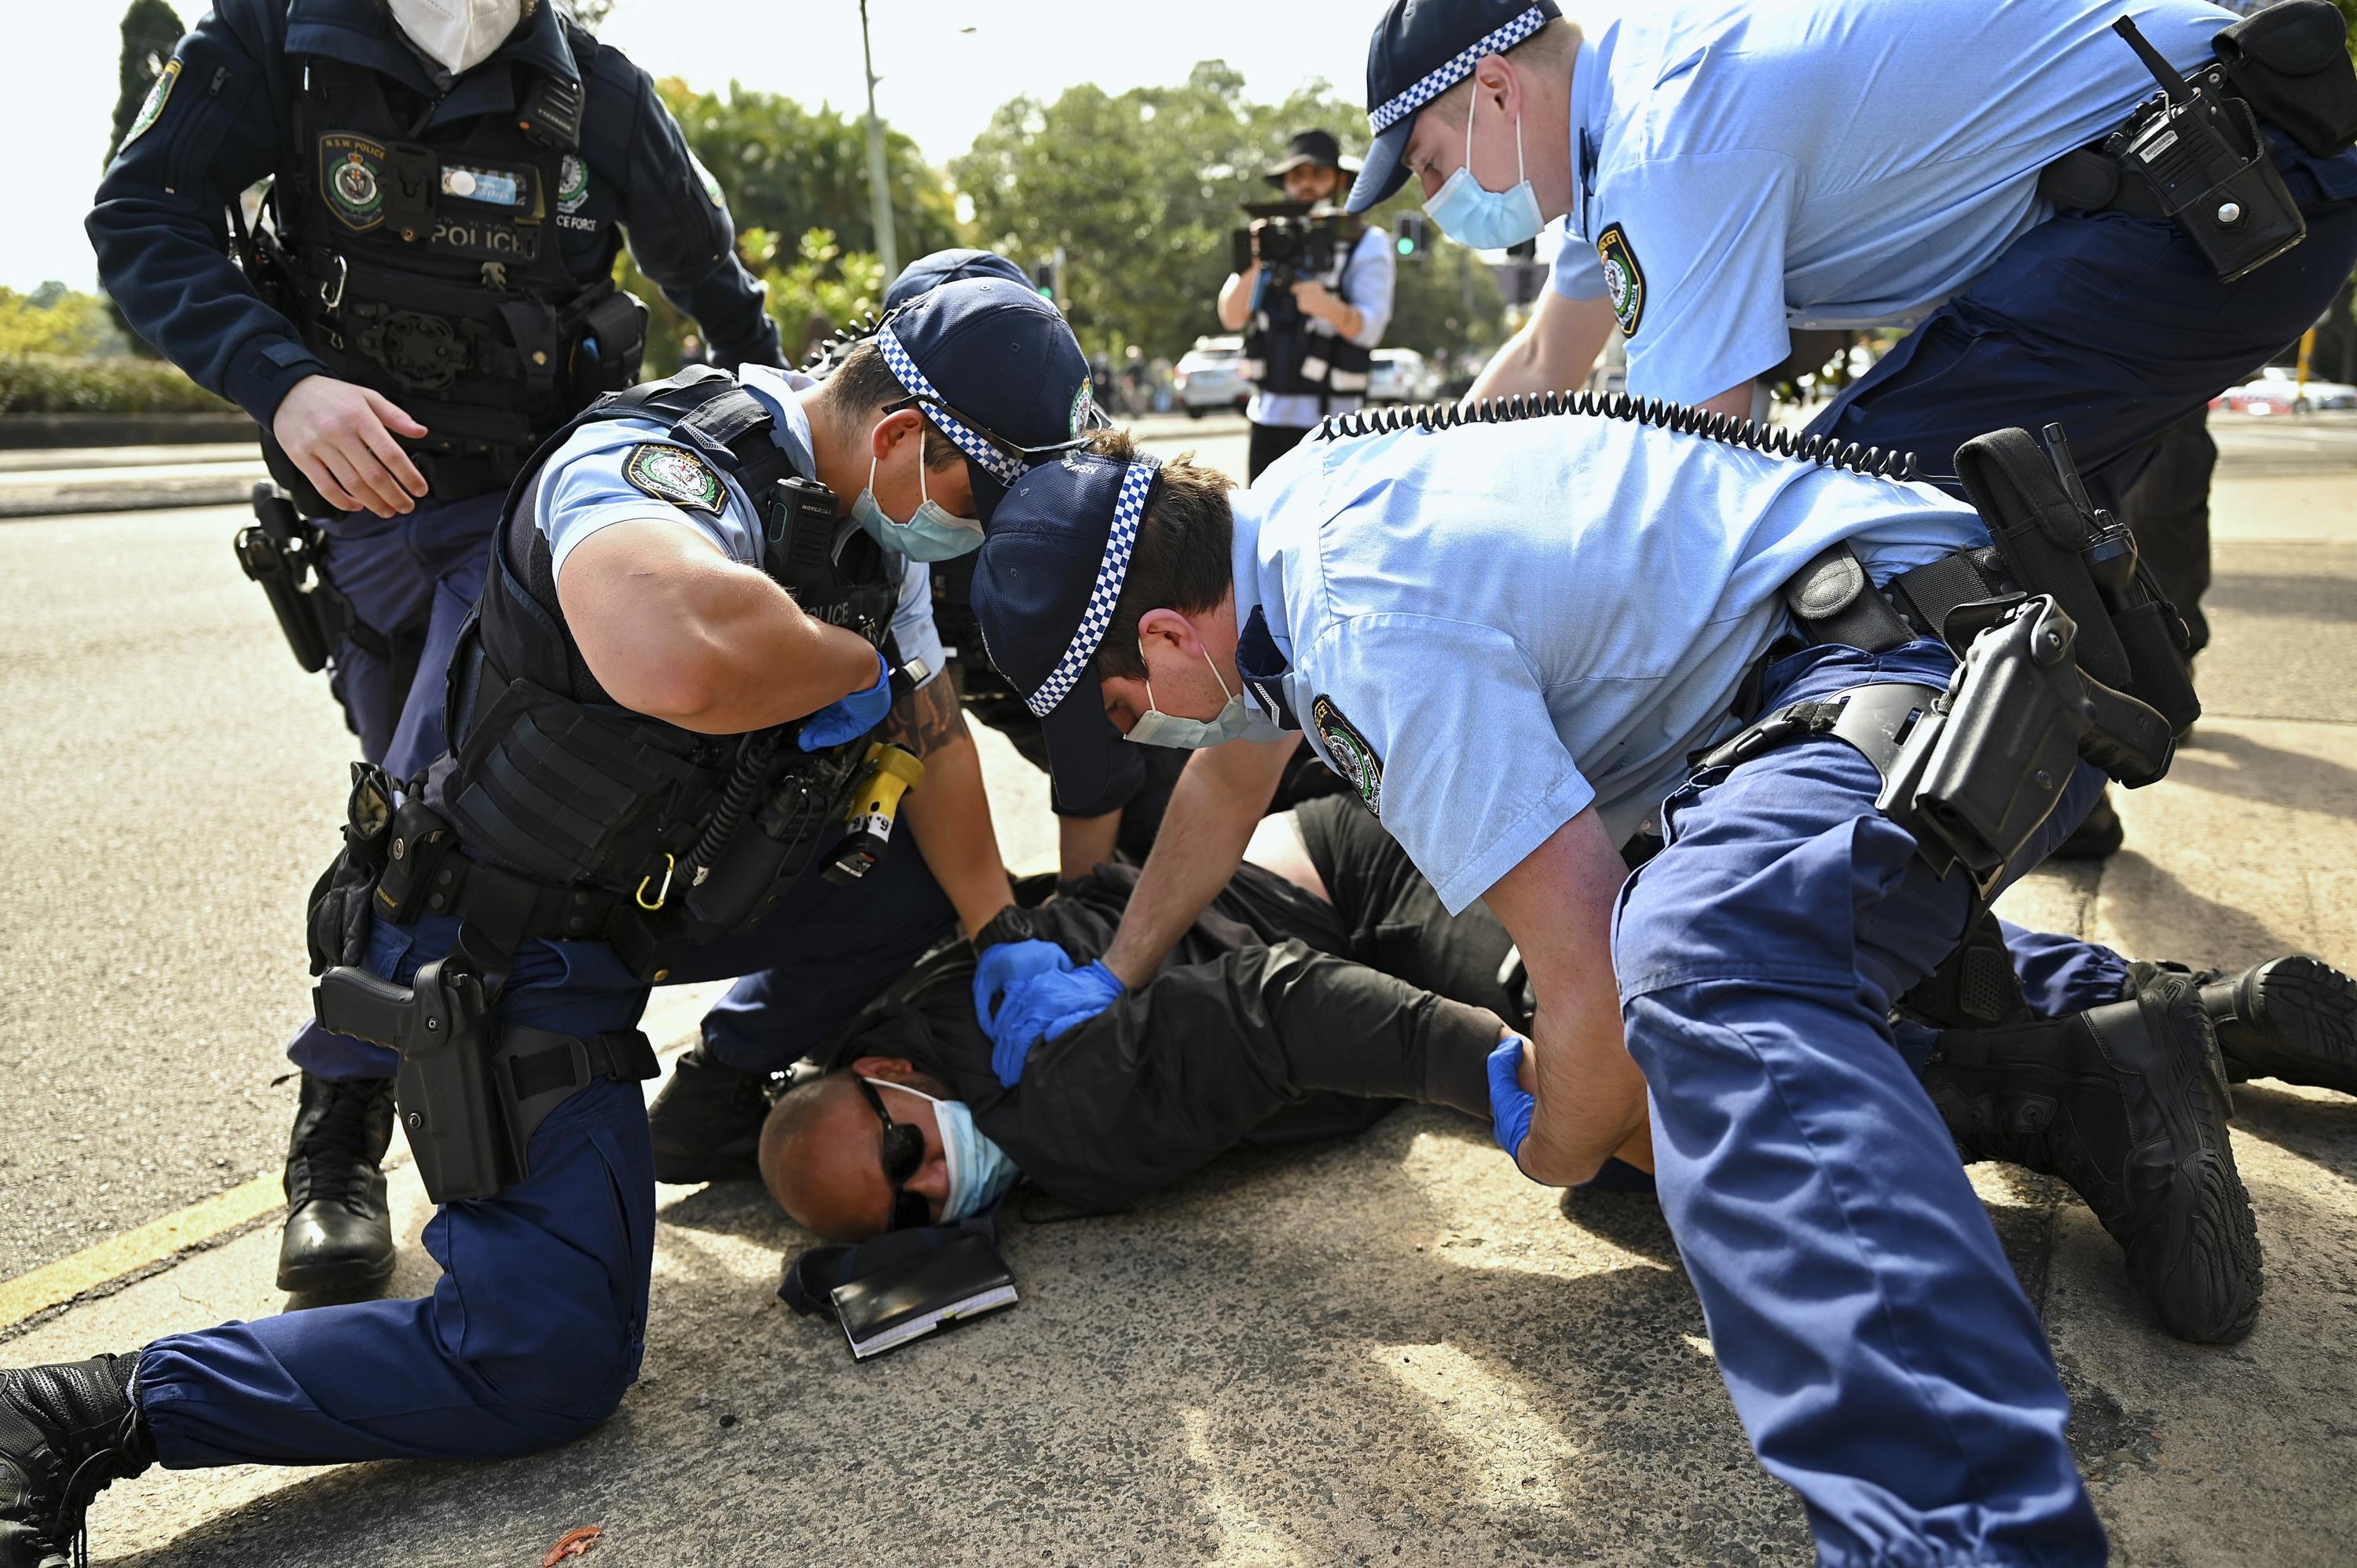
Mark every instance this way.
x=441 y=1024
x=280 y=550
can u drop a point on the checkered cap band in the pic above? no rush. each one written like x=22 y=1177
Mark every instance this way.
x=1456 y=70
x=1127 y=509
x=904 y=369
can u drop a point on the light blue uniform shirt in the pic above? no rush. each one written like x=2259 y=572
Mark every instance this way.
x=583 y=488
x=1368 y=282
x=1829 y=163
x=1518 y=621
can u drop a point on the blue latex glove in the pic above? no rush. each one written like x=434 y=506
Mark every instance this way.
x=850 y=717
x=1510 y=1103
x=1043 y=1007
x=998 y=969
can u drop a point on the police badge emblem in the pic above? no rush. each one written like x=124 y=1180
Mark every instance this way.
x=1347 y=751
x=1624 y=279
x=350 y=180
x=152 y=110
x=1083 y=406
x=674 y=474
x=572 y=184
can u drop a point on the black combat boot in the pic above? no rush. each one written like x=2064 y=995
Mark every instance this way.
x=2127 y=1103
x=67 y=1433
x=706 y=1122
x=338 y=1239
x=2097 y=837
x=2292 y=1018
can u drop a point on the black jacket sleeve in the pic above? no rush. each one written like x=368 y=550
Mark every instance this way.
x=1183 y=1069
x=160 y=225
x=680 y=231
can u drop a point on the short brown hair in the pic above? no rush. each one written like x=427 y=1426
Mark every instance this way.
x=1181 y=559
x=862 y=383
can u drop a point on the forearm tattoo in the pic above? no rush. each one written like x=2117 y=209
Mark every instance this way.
x=928 y=720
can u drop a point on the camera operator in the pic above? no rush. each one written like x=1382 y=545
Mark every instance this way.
x=1325 y=307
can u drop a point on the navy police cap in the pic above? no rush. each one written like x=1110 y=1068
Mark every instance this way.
x=997 y=369
x=1421 y=49
x=1045 y=584
x=929 y=272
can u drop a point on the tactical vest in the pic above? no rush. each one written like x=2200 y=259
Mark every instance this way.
x=1289 y=352
x=656 y=838
x=427 y=265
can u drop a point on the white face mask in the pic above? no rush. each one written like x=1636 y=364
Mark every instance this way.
x=457 y=34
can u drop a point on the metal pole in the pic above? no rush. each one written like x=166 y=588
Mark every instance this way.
x=879 y=194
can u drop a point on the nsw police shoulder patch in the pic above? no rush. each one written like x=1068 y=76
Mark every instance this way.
x=1624 y=279
x=1348 y=752
x=152 y=110
x=676 y=475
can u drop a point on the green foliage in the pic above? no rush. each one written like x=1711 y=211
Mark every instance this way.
x=790 y=169
x=54 y=384
x=1141 y=191
x=53 y=319
x=150 y=29
x=812 y=292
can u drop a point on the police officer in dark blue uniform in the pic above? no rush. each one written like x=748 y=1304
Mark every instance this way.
x=662 y=770
x=431 y=295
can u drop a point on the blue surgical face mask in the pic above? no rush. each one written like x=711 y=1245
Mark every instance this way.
x=979 y=1169
x=1472 y=214
x=1237 y=719
x=934 y=533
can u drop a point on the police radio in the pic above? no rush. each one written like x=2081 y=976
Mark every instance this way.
x=2198 y=149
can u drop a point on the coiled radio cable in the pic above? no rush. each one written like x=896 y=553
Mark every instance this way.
x=1685 y=418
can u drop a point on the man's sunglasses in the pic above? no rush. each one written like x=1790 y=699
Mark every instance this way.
x=1027 y=455
x=903 y=1152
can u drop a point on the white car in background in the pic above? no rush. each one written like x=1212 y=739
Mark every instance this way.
x=2276 y=390
x=1210 y=375
x=1401 y=375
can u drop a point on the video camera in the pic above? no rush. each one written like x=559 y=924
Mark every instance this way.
x=1290 y=240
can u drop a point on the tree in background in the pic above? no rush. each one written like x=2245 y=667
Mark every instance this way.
x=1141 y=191
x=789 y=171
x=150 y=28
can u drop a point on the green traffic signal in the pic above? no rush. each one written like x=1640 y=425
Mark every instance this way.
x=1406 y=246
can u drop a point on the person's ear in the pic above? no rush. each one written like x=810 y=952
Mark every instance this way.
x=1497 y=77
x=887 y=1069
x=893 y=429
x=1169 y=627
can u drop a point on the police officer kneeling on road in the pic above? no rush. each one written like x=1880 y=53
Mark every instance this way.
x=431 y=296
x=1312 y=299
x=662 y=770
x=1518 y=632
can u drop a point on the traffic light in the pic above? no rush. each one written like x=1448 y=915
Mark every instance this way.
x=1413 y=236
x=1044 y=274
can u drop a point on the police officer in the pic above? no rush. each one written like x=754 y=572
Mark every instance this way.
x=706 y=1122
x=1509 y=637
x=656 y=745
x=1732 y=181
x=1307 y=342
x=450 y=184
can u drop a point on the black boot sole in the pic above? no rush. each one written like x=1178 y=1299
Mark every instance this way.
x=2294 y=1019
x=2209 y=1293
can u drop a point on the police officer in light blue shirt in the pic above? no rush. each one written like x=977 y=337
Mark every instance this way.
x=1511 y=638
x=1743 y=185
